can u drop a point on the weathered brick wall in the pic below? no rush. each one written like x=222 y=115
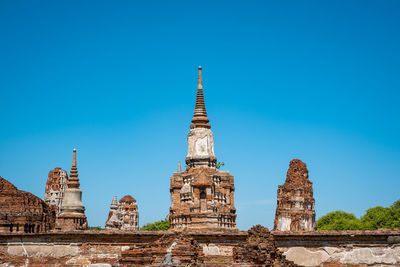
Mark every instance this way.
x=22 y=211
x=341 y=248
x=93 y=248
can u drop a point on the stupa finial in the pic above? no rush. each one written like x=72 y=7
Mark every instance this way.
x=73 y=181
x=200 y=114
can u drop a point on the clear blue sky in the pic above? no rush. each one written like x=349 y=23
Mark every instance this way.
x=315 y=80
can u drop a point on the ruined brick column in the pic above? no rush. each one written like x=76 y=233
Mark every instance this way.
x=202 y=196
x=260 y=249
x=72 y=215
x=55 y=187
x=295 y=205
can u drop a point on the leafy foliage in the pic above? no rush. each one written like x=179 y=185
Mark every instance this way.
x=338 y=220
x=374 y=218
x=380 y=217
x=219 y=165
x=162 y=225
x=94 y=228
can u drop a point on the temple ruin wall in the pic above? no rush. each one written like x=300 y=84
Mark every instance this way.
x=105 y=248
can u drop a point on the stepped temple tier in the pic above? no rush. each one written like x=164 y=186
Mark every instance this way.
x=23 y=212
x=72 y=213
x=202 y=196
x=295 y=204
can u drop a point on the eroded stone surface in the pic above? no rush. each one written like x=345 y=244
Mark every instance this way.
x=371 y=256
x=304 y=257
x=42 y=250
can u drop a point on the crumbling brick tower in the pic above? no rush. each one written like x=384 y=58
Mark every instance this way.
x=72 y=215
x=295 y=205
x=55 y=188
x=202 y=196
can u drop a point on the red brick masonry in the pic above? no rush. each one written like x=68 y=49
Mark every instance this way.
x=82 y=248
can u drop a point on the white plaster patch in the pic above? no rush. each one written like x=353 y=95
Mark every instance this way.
x=42 y=250
x=124 y=248
x=80 y=261
x=367 y=256
x=211 y=250
x=284 y=223
x=331 y=250
x=304 y=257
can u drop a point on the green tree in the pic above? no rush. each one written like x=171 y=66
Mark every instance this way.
x=377 y=217
x=395 y=213
x=374 y=218
x=396 y=205
x=382 y=217
x=162 y=225
x=338 y=220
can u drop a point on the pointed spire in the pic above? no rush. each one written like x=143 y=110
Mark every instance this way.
x=200 y=114
x=114 y=203
x=73 y=181
x=179 y=167
x=74 y=158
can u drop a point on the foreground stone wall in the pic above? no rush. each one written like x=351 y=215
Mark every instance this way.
x=341 y=248
x=108 y=248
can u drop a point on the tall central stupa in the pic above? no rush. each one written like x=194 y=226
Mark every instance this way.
x=202 y=196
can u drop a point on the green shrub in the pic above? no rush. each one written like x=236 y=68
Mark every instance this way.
x=374 y=218
x=94 y=228
x=338 y=220
x=162 y=225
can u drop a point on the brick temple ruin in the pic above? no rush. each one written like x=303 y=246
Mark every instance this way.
x=123 y=215
x=295 y=203
x=201 y=196
x=23 y=212
x=53 y=231
x=55 y=187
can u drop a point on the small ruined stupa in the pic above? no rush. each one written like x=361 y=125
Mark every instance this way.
x=123 y=215
x=72 y=214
